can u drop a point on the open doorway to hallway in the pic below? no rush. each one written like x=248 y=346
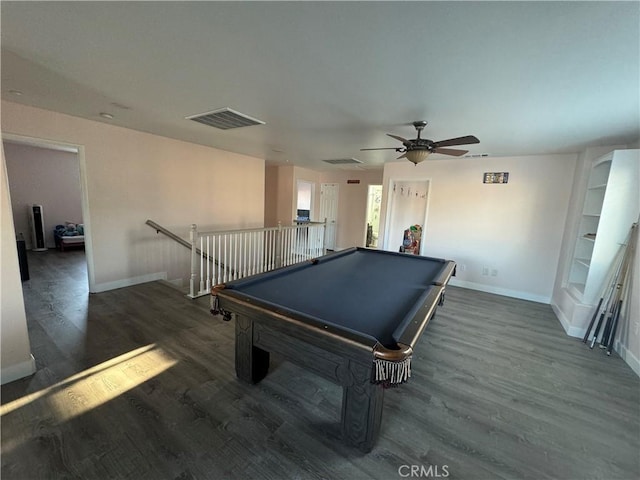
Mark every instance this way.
x=374 y=201
x=47 y=181
x=304 y=202
x=51 y=174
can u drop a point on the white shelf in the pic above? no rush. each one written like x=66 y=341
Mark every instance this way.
x=610 y=207
x=577 y=288
x=586 y=262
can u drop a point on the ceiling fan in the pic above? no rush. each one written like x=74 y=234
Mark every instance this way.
x=418 y=149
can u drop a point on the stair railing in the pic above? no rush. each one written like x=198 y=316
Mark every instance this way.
x=223 y=256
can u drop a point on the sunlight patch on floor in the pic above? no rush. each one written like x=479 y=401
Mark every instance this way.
x=97 y=385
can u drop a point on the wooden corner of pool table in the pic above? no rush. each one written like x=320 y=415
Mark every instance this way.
x=392 y=355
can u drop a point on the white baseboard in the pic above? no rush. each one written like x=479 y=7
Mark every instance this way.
x=628 y=357
x=579 y=332
x=20 y=370
x=500 y=291
x=127 y=282
x=570 y=330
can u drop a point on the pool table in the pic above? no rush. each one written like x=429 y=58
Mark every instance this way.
x=353 y=317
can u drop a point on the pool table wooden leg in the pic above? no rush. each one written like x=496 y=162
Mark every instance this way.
x=361 y=408
x=252 y=363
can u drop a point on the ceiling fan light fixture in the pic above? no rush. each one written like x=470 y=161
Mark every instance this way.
x=416 y=156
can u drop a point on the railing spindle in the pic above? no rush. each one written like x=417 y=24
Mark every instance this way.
x=236 y=254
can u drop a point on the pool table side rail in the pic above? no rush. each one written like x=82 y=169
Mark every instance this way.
x=284 y=270
x=333 y=338
x=410 y=333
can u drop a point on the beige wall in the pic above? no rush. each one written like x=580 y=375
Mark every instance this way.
x=46 y=177
x=133 y=176
x=15 y=354
x=515 y=229
x=285 y=195
x=271 y=195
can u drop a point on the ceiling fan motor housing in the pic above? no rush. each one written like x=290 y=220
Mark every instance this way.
x=420 y=144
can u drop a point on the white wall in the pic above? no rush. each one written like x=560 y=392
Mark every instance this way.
x=515 y=228
x=46 y=177
x=630 y=333
x=15 y=353
x=133 y=176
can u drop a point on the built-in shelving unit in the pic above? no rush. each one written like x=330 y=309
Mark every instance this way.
x=610 y=207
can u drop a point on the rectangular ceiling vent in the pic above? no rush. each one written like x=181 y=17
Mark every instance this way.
x=225 y=119
x=343 y=161
x=476 y=155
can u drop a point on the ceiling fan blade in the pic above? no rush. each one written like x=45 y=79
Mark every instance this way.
x=384 y=148
x=404 y=155
x=451 y=151
x=456 y=141
x=403 y=140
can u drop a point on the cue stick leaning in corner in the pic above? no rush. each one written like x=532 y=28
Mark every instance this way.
x=608 y=311
x=627 y=281
x=609 y=305
x=607 y=291
x=612 y=305
x=620 y=288
x=618 y=292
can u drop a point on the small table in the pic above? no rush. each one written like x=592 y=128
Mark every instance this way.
x=353 y=317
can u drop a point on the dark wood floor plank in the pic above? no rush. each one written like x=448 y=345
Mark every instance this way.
x=139 y=383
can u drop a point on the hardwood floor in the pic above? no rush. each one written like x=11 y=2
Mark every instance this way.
x=139 y=383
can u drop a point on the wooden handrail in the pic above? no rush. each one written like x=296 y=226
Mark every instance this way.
x=160 y=229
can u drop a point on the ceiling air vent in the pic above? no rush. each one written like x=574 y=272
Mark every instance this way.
x=225 y=118
x=343 y=161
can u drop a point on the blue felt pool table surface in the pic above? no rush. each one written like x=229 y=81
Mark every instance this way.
x=371 y=292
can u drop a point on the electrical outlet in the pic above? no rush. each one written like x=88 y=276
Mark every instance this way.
x=637 y=328
x=485 y=270
x=462 y=267
x=494 y=272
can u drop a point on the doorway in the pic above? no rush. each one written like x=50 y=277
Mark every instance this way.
x=51 y=183
x=304 y=201
x=329 y=211
x=406 y=212
x=374 y=201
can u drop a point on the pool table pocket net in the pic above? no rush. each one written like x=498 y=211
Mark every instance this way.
x=391 y=367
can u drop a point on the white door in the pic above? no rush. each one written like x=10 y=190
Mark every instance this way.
x=329 y=210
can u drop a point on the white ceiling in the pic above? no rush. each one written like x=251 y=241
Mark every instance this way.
x=329 y=78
